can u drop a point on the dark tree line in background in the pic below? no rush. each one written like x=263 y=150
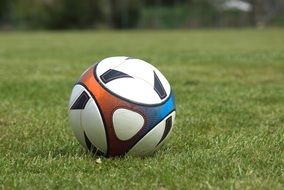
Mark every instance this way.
x=73 y=14
x=266 y=11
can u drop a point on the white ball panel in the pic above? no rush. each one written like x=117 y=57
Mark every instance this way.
x=138 y=69
x=162 y=78
x=75 y=123
x=75 y=115
x=173 y=114
x=148 y=144
x=93 y=125
x=126 y=123
x=87 y=120
x=76 y=92
x=135 y=90
x=109 y=63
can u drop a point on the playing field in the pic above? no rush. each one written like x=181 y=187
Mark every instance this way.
x=229 y=90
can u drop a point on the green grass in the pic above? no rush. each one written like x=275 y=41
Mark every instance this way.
x=229 y=90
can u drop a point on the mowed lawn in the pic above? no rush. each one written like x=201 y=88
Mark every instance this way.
x=229 y=90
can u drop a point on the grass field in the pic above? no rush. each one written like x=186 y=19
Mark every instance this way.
x=229 y=90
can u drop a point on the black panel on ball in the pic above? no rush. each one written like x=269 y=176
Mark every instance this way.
x=81 y=102
x=113 y=74
x=168 y=127
x=158 y=87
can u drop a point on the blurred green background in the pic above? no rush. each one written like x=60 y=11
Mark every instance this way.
x=82 y=14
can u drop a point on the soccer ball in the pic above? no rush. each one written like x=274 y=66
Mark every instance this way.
x=122 y=105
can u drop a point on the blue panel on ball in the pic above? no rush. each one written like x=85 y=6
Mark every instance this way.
x=156 y=114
